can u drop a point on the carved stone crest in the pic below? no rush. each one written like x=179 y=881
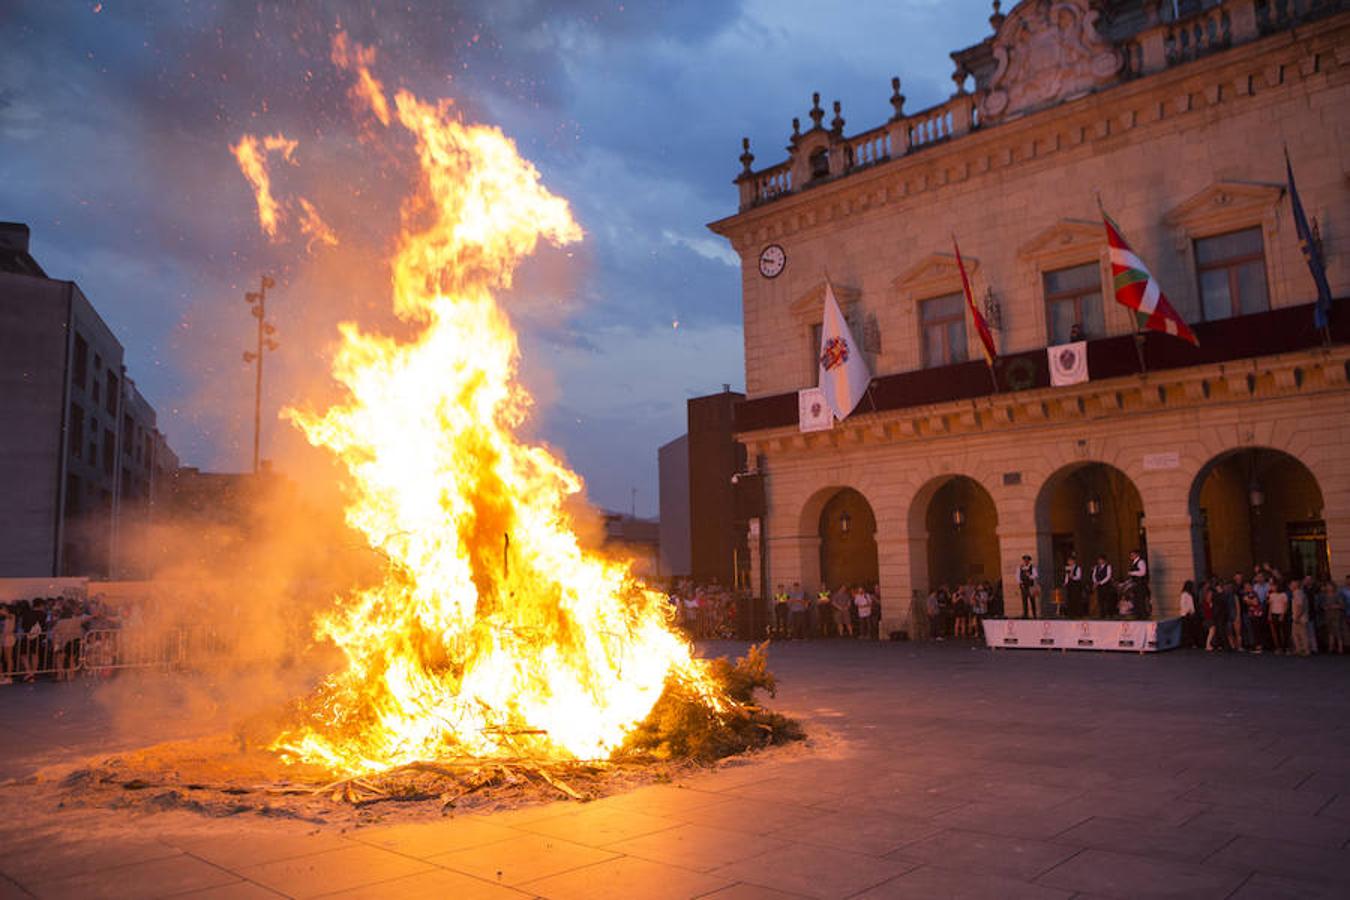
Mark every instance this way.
x=1047 y=51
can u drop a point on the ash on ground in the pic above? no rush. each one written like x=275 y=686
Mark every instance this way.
x=231 y=775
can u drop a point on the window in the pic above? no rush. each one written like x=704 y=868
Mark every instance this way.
x=942 y=324
x=110 y=401
x=72 y=496
x=820 y=163
x=109 y=452
x=128 y=435
x=1232 y=273
x=80 y=364
x=76 y=430
x=1073 y=298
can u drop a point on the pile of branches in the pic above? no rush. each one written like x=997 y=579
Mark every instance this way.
x=224 y=776
x=682 y=726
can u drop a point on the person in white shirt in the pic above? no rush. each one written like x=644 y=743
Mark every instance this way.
x=1027 y=578
x=1137 y=571
x=1190 y=622
x=1073 y=587
x=1103 y=588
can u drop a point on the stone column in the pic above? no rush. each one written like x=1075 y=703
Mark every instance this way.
x=1171 y=560
x=1338 y=541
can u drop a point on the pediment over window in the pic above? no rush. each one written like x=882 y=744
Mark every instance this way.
x=1067 y=237
x=809 y=307
x=1226 y=204
x=935 y=274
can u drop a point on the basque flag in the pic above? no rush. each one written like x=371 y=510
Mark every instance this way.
x=1312 y=251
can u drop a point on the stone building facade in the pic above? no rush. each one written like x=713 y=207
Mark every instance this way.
x=1207 y=458
x=82 y=461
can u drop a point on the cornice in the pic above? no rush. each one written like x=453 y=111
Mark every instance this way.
x=1315 y=372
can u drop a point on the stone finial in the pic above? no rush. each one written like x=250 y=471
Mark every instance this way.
x=817 y=114
x=837 y=123
x=959 y=77
x=796 y=134
x=997 y=18
x=897 y=99
x=747 y=158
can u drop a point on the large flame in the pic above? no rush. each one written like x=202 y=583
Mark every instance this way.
x=494 y=633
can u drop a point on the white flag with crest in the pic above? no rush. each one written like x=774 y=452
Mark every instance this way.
x=843 y=371
x=1068 y=363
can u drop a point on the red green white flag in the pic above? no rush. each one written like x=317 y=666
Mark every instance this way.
x=1136 y=288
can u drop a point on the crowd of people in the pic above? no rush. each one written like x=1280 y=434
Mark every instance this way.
x=53 y=636
x=705 y=611
x=956 y=612
x=852 y=611
x=1266 y=612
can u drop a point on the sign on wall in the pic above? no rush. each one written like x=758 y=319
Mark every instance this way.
x=1156 y=461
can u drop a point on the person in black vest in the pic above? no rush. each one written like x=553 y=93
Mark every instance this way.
x=1073 y=587
x=1027 y=576
x=1137 y=572
x=1104 y=588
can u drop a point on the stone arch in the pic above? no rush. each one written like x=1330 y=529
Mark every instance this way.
x=1089 y=507
x=846 y=526
x=940 y=549
x=1257 y=504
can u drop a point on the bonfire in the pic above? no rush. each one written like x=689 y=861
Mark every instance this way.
x=495 y=642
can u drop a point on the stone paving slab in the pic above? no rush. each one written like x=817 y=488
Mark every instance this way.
x=940 y=771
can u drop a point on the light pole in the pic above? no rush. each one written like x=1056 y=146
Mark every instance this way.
x=257 y=301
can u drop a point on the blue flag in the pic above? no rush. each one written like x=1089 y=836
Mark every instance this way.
x=1312 y=252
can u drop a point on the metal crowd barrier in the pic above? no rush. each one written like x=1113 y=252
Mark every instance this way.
x=103 y=651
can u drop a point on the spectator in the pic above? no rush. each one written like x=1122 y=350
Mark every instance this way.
x=1299 y=619
x=862 y=601
x=797 y=612
x=825 y=611
x=842 y=600
x=1333 y=612
x=8 y=632
x=780 y=613
x=1190 y=621
x=1277 y=615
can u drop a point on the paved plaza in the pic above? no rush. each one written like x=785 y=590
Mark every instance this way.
x=937 y=771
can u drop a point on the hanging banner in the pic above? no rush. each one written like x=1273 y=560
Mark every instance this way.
x=1068 y=363
x=813 y=412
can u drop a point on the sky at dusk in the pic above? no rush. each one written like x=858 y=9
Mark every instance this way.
x=116 y=120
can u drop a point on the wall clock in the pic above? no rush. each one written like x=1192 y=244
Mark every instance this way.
x=772 y=259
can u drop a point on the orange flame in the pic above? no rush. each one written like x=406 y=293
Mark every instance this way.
x=314 y=227
x=494 y=633
x=251 y=152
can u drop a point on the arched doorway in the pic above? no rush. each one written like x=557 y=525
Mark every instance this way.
x=1090 y=509
x=962 y=526
x=1258 y=505
x=848 y=543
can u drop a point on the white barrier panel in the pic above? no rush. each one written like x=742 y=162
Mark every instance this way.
x=1083 y=634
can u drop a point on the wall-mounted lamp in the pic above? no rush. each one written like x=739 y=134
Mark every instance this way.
x=845 y=520
x=958 y=517
x=1094 y=506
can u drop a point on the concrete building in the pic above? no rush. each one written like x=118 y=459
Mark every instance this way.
x=1210 y=460
x=80 y=443
x=672 y=463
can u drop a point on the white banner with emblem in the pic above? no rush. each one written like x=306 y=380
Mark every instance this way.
x=813 y=412
x=1083 y=634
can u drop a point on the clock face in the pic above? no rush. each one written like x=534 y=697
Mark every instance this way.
x=772 y=259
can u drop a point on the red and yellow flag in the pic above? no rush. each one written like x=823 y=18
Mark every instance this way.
x=981 y=326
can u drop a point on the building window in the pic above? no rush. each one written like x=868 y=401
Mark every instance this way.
x=1073 y=304
x=76 y=430
x=80 y=364
x=820 y=163
x=110 y=402
x=1232 y=273
x=128 y=435
x=72 y=496
x=942 y=323
x=109 y=452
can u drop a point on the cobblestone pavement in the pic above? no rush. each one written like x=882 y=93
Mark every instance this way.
x=944 y=771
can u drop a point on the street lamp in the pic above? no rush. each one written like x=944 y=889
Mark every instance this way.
x=257 y=301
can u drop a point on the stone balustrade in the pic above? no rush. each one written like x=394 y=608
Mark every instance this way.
x=821 y=154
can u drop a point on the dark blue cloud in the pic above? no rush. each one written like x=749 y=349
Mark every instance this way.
x=116 y=125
